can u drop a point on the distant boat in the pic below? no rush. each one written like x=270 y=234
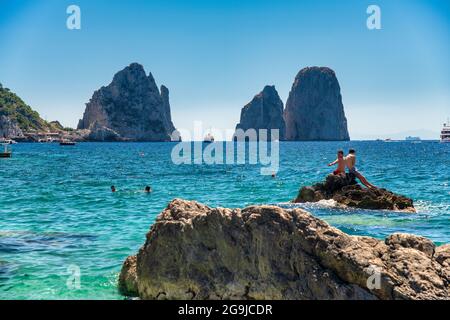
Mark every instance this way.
x=208 y=138
x=8 y=141
x=6 y=152
x=67 y=143
x=445 y=132
x=409 y=138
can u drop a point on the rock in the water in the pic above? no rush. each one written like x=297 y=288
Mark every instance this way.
x=131 y=106
x=314 y=109
x=128 y=277
x=265 y=111
x=266 y=252
x=346 y=191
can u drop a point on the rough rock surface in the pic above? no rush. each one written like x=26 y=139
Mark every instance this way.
x=266 y=252
x=314 y=109
x=265 y=111
x=102 y=133
x=131 y=106
x=346 y=191
x=9 y=128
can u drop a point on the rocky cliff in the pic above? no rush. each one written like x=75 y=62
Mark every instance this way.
x=266 y=252
x=346 y=191
x=314 y=109
x=16 y=117
x=9 y=128
x=265 y=111
x=130 y=108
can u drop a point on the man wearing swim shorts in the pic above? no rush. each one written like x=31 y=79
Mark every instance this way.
x=340 y=162
x=350 y=161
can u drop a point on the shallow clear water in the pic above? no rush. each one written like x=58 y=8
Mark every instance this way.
x=56 y=208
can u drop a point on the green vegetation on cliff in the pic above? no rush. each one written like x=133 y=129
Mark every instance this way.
x=18 y=111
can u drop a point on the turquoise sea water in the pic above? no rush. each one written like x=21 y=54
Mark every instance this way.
x=57 y=211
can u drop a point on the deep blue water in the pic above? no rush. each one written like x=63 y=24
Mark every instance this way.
x=57 y=211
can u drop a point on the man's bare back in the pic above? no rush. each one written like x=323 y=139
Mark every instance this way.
x=350 y=162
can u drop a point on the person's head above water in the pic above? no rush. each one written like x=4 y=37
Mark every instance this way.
x=340 y=153
x=148 y=189
x=113 y=188
x=351 y=151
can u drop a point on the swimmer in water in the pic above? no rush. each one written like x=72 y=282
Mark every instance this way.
x=113 y=189
x=148 y=189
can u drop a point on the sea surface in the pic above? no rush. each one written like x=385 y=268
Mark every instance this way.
x=59 y=219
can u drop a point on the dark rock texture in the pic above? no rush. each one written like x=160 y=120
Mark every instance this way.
x=131 y=106
x=266 y=252
x=265 y=111
x=314 y=109
x=346 y=191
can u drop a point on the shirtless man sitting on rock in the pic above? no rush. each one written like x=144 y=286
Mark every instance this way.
x=350 y=161
x=340 y=162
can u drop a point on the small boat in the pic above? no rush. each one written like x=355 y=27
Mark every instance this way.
x=67 y=143
x=8 y=141
x=6 y=152
x=445 y=132
x=208 y=138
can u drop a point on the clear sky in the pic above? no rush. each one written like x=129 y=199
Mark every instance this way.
x=214 y=56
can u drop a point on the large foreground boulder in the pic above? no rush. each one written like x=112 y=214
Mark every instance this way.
x=266 y=252
x=346 y=191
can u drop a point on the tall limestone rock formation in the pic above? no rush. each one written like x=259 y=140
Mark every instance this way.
x=265 y=111
x=130 y=108
x=314 y=109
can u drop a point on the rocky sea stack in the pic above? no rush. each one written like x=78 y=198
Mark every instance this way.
x=265 y=111
x=314 y=109
x=266 y=252
x=130 y=108
x=346 y=191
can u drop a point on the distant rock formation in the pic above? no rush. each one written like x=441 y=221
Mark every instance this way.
x=129 y=108
x=314 y=109
x=265 y=111
x=266 y=252
x=346 y=191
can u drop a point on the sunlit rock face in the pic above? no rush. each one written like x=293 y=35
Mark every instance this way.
x=131 y=107
x=266 y=252
x=314 y=109
x=265 y=111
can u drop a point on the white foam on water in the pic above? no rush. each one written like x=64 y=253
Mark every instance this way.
x=329 y=203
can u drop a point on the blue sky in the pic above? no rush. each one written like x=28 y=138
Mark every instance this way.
x=214 y=56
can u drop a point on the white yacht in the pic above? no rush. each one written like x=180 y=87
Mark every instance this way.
x=410 y=138
x=445 y=132
x=8 y=141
